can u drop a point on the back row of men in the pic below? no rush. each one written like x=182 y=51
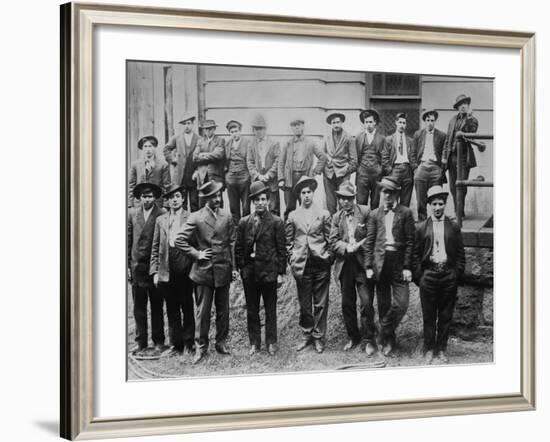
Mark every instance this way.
x=419 y=162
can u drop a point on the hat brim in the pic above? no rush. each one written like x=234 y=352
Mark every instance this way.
x=306 y=183
x=458 y=103
x=138 y=190
x=209 y=126
x=187 y=119
x=345 y=194
x=432 y=112
x=217 y=187
x=391 y=187
x=370 y=113
x=172 y=191
x=443 y=195
x=265 y=190
x=336 y=115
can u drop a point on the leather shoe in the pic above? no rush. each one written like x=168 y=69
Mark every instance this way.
x=222 y=349
x=173 y=351
x=199 y=356
x=302 y=344
x=429 y=357
x=161 y=348
x=387 y=349
x=253 y=350
x=271 y=349
x=319 y=346
x=350 y=345
x=369 y=349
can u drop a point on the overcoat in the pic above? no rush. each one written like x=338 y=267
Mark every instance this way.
x=467 y=124
x=285 y=167
x=271 y=162
x=343 y=155
x=186 y=166
x=211 y=163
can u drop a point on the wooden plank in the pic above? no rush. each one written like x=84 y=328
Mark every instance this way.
x=237 y=73
x=159 y=123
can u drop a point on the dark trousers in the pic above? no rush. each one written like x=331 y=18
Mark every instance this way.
x=140 y=296
x=453 y=176
x=438 y=296
x=254 y=291
x=402 y=172
x=203 y=298
x=191 y=194
x=331 y=186
x=354 y=283
x=238 y=188
x=427 y=175
x=178 y=293
x=367 y=190
x=313 y=289
x=392 y=295
x=290 y=196
x=275 y=202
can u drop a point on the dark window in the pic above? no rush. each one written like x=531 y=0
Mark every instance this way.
x=395 y=84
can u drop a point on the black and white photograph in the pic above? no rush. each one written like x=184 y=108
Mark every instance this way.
x=288 y=220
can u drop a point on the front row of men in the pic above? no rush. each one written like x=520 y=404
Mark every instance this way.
x=374 y=252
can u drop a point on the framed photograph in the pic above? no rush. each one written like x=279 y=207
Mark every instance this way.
x=275 y=220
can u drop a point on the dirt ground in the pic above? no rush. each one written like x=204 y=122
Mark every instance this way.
x=409 y=335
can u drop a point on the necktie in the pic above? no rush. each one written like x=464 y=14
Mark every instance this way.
x=401 y=144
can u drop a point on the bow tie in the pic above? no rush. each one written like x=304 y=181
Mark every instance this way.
x=388 y=209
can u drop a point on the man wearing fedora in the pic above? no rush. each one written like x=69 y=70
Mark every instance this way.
x=209 y=156
x=399 y=159
x=370 y=145
x=148 y=169
x=140 y=230
x=428 y=143
x=208 y=237
x=347 y=235
x=439 y=270
x=460 y=126
x=389 y=259
x=260 y=253
x=170 y=270
x=179 y=155
x=341 y=161
x=262 y=161
x=310 y=257
x=237 y=177
x=296 y=160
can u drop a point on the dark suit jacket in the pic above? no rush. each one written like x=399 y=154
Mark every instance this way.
x=268 y=245
x=186 y=165
x=389 y=154
x=159 y=175
x=212 y=161
x=454 y=247
x=140 y=240
x=344 y=155
x=160 y=249
x=339 y=236
x=203 y=231
x=285 y=168
x=244 y=147
x=271 y=162
x=369 y=160
x=467 y=124
x=419 y=140
x=403 y=234
x=303 y=241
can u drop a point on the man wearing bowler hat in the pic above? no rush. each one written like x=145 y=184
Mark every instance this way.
x=208 y=237
x=140 y=230
x=237 y=177
x=310 y=258
x=460 y=126
x=296 y=160
x=262 y=161
x=260 y=253
x=347 y=235
x=179 y=156
x=170 y=270
x=209 y=156
x=389 y=259
x=370 y=145
x=399 y=158
x=428 y=145
x=148 y=169
x=439 y=270
x=341 y=162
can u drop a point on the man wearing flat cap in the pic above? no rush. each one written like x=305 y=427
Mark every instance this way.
x=310 y=257
x=170 y=271
x=389 y=259
x=347 y=235
x=178 y=153
x=148 y=169
x=370 y=145
x=208 y=237
x=399 y=159
x=209 y=156
x=260 y=253
x=262 y=161
x=460 y=126
x=439 y=270
x=237 y=177
x=297 y=159
x=341 y=161
x=428 y=145
x=140 y=230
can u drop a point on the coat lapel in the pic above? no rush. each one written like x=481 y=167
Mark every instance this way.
x=208 y=217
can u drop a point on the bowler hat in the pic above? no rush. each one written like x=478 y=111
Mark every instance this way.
x=142 y=187
x=153 y=140
x=430 y=112
x=297 y=121
x=336 y=115
x=257 y=188
x=186 y=117
x=305 y=181
x=259 y=121
x=210 y=188
x=461 y=99
x=346 y=189
x=435 y=191
x=173 y=189
x=208 y=123
x=364 y=114
x=389 y=183
x=233 y=123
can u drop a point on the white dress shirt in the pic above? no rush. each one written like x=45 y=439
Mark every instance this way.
x=188 y=138
x=388 y=223
x=429 y=151
x=401 y=158
x=439 y=254
x=370 y=136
